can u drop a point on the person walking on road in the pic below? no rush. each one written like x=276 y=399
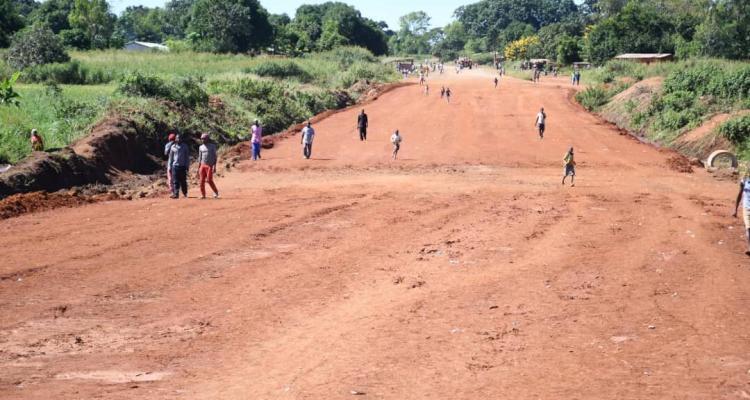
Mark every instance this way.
x=308 y=134
x=570 y=167
x=207 y=159
x=167 y=148
x=744 y=197
x=256 y=139
x=37 y=143
x=179 y=162
x=396 y=141
x=448 y=94
x=496 y=82
x=362 y=124
x=541 y=120
x=426 y=90
x=442 y=93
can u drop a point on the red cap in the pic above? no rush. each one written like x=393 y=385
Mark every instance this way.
x=172 y=136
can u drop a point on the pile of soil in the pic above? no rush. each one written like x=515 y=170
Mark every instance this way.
x=39 y=201
x=680 y=164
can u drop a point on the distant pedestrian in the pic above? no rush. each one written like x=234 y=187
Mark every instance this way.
x=496 y=82
x=540 y=122
x=256 y=139
x=396 y=141
x=448 y=94
x=569 y=163
x=207 y=159
x=426 y=90
x=179 y=162
x=37 y=143
x=744 y=197
x=362 y=124
x=442 y=93
x=167 y=148
x=308 y=134
x=576 y=77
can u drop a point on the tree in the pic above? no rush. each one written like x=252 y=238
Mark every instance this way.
x=53 y=14
x=412 y=37
x=35 y=45
x=639 y=28
x=568 y=50
x=231 y=26
x=519 y=49
x=177 y=16
x=92 y=17
x=416 y=23
x=726 y=30
x=488 y=18
x=452 y=42
x=10 y=21
x=313 y=31
x=141 y=23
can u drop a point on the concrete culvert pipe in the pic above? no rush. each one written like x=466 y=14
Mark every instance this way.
x=722 y=159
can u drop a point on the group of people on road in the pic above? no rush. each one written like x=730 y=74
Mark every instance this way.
x=178 y=165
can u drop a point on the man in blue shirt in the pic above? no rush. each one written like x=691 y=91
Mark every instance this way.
x=744 y=197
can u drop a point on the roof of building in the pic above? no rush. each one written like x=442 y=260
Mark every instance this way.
x=643 y=55
x=155 y=46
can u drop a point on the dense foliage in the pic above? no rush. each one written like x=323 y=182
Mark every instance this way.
x=34 y=46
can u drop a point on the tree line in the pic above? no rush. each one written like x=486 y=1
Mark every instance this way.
x=594 y=30
x=224 y=26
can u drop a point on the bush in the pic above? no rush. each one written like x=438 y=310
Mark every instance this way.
x=711 y=78
x=676 y=110
x=185 y=91
x=70 y=73
x=280 y=69
x=346 y=56
x=736 y=130
x=593 y=97
x=37 y=45
x=141 y=85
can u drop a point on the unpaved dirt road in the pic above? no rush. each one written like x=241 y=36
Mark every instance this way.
x=462 y=271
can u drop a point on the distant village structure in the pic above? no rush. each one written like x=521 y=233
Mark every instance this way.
x=144 y=46
x=645 y=58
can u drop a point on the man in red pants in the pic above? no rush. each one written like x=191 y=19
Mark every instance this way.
x=207 y=165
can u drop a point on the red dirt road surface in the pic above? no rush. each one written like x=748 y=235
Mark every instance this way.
x=463 y=270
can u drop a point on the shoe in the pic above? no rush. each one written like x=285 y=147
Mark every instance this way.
x=172 y=197
x=203 y=197
x=216 y=195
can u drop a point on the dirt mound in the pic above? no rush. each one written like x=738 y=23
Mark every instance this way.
x=39 y=201
x=704 y=140
x=680 y=163
x=635 y=99
x=115 y=146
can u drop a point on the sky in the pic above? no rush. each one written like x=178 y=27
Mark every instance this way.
x=389 y=11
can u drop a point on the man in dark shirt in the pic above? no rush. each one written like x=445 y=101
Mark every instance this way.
x=179 y=162
x=362 y=125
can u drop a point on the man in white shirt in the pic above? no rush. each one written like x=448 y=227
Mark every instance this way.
x=396 y=140
x=308 y=134
x=541 y=119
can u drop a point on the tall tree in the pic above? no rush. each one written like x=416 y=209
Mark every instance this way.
x=177 y=15
x=10 y=21
x=92 y=17
x=231 y=26
x=141 y=23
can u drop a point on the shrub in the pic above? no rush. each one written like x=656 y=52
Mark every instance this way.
x=185 y=91
x=711 y=78
x=35 y=46
x=70 y=73
x=736 y=130
x=593 y=97
x=137 y=84
x=345 y=56
x=280 y=69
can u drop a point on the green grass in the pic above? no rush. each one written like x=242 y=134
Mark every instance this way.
x=300 y=87
x=60 y=118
